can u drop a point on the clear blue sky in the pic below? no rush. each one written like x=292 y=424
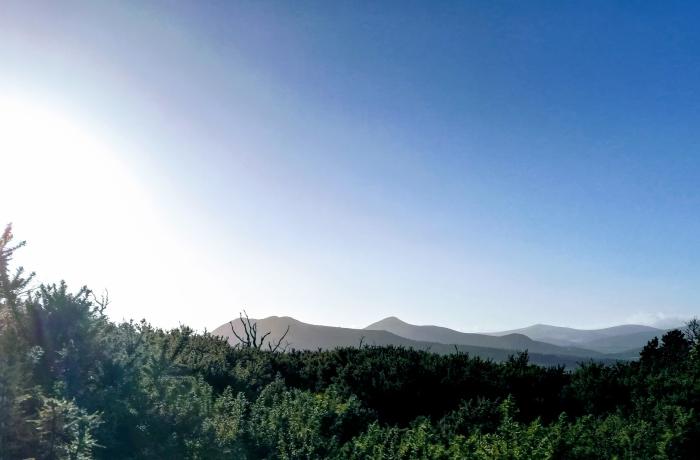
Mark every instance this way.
x=480 y=165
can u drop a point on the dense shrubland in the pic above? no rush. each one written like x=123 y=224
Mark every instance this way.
x=75 y=385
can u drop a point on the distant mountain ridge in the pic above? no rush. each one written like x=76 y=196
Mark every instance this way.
x=614 y=339
x=304 y=336
x=512 y=341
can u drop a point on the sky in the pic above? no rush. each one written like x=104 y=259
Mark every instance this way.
x=478 y=165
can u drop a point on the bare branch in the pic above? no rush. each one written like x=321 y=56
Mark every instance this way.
x=279 y=342
x=262 y=339
x=233 y=329
x=250 y=330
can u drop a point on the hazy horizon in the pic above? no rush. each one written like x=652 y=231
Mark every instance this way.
x=662 y=323
x=483 y=166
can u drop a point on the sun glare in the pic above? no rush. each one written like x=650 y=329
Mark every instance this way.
x=54 y=160
x=68 y=194
x=58 y=170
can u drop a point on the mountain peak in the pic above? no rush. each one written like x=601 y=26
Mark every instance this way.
x=387 y=322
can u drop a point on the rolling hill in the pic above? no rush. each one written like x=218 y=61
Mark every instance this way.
x=615 y=339
x=512 y=341
x=304 y=336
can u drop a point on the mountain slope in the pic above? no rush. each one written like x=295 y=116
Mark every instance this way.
x=303 y=336
x=620 y=343
x=608 y=340
x=449 y=336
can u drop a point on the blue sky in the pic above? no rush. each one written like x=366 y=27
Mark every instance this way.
x=479 y=165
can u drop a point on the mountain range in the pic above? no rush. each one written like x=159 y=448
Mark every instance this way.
x=546 y=345
x=508 y=341
x=616 y=339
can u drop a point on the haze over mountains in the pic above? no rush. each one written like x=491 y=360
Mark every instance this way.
x=545 y=344
x=510 y=341
x=614 y=339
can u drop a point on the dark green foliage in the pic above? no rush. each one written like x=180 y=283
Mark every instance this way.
x=74 y=385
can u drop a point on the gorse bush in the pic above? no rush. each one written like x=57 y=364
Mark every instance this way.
x=74 y=385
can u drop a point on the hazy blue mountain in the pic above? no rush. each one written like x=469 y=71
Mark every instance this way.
x=625 y=342
x=512 y=341
x=571 y=335
x=303 y=336
x=614 y=339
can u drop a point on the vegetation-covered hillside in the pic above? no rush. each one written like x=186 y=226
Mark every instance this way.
x=75 y=385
